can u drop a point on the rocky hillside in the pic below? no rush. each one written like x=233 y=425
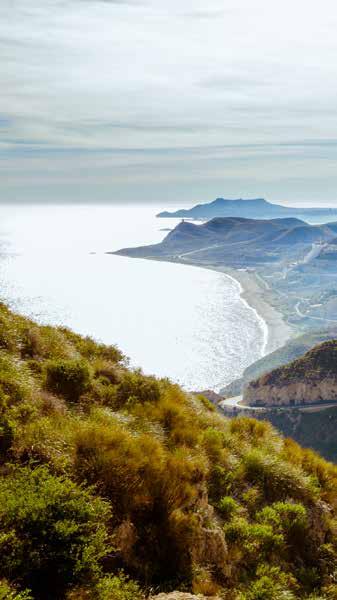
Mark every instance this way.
x=311 y=379
x=115 y=485
x=294 y=348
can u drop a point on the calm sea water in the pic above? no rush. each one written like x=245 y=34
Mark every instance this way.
x=172 y=320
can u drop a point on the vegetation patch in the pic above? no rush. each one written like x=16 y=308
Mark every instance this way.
x=114 y=484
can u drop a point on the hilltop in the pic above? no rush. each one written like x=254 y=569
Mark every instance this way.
x=114 y=484
x=255 y=208
x=237 y=241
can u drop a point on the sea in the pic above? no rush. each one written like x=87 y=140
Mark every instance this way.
x=177 y=321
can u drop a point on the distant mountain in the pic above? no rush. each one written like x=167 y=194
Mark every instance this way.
x=255 y=208
x=237 y=241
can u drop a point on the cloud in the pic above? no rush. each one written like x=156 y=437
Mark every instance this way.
x=248 y=88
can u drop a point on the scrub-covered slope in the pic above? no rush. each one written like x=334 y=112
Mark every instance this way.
x=114 y=484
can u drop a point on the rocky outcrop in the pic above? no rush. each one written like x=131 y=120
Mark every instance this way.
x=309 y=391
x=311 y=379
x=209 y=548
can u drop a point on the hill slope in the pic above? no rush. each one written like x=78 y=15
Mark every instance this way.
x=293 y=349
x=237 y=241
x=310 y=379
x=104 y=468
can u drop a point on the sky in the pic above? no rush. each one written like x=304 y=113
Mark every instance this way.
x=171 y=102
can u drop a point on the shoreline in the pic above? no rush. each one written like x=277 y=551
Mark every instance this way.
x=276 y=330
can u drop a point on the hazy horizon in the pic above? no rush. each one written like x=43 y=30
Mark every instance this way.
x=140 y=101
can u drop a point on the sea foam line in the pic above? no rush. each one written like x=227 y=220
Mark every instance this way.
x=260 y=319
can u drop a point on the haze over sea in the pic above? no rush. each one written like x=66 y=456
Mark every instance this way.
x=180 y=321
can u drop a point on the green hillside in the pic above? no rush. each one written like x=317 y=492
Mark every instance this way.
x=115 y=484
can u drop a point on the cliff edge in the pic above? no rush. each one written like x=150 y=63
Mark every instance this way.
x=311 y=379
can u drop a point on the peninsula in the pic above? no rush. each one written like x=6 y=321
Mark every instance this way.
x=286 y=267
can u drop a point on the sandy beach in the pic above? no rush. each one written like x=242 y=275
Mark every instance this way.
x=255 y=294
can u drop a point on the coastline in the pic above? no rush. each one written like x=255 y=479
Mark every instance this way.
x=277 y=330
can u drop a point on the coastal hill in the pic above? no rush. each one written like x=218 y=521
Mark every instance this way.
x=237 y=241
x=299 y=397
x=287 y=263
x=256 y=208
x=115 y=485
x=294 y=348
x=311 y=379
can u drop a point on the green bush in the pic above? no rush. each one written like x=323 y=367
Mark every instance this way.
x=110 y=587
x=228 y=507
x=90 y=349
x=271 y=584
x=277 y=479
x=136 y=387
x=8 y=331
x=52 y=532
x=285 y=517
x=169 y=469
x=6 y=433
x=117 y=588
x=68 y=378
x=16 y=384
x=8 y=592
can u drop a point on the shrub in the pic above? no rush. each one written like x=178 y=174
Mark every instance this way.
x=15 y=379
x=6 y=433
x=53 y=532
x=136 y=387
x=117 y=588
x=106 y=371
x=251 y=429
x=90 y=349
x=68 y=378
x=271 y=584
x=45 y=440
x=45 y=342
x=277 y=479
x=8 y=330
x=250 y=542
x=206 y=403
x=284 y=516
x=228 y=507
x=8 y=592
x=111 y=587
x=125 y=467
x=203 y=583
x=266 y=588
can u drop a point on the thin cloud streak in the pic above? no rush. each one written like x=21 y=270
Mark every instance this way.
x=255 y=83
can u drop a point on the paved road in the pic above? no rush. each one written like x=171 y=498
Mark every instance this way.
x=306 y=316
x=235 y=402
